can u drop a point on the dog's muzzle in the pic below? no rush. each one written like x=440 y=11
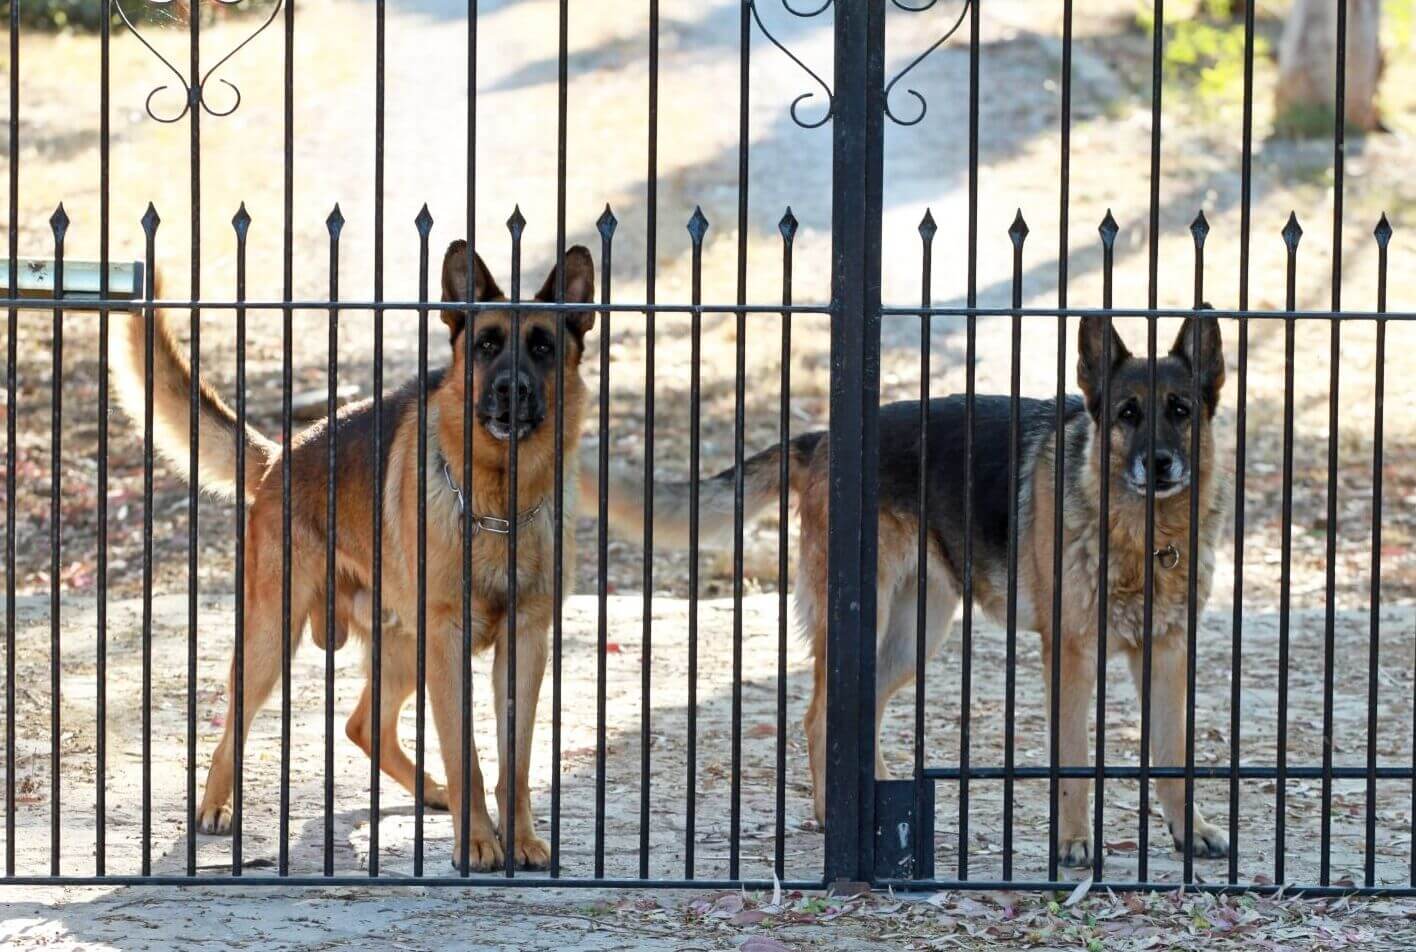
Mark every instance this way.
x=499 y=426
x=494 y=413
x=1172 y=476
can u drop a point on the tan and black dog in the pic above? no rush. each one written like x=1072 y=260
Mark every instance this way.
x=1176 y=477
x=532 y=391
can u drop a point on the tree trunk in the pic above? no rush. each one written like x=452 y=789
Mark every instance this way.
x=1307 y=64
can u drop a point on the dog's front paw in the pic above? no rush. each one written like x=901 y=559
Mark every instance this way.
x=1074 y=852
x=1210 y=842
x=214 y=821
x=531 y=852
x=484 y=852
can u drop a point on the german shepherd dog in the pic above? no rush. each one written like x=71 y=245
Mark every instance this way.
x=493 y=382
x=1175 y=477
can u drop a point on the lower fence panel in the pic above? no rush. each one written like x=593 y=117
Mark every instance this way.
x=680 y=738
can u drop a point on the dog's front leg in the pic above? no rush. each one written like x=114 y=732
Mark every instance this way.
x=1078 y=680
x=533 y=618
x=445 y=661
x=1169 y=680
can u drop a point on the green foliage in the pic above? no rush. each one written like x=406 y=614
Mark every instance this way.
x=83 y=15
x=1204 y=50
x=1304 y=121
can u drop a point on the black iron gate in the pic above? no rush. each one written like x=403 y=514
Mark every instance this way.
x=878 y=832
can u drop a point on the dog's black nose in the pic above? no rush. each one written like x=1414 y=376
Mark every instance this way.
x=502 y=387
x=1165 y=465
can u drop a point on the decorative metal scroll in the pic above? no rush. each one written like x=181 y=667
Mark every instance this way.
x=195 y=95
x=923 y=105
x=804 y=14
x=807 y=13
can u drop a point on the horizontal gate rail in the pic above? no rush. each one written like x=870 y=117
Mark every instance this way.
x=316 y=304
x=1127 y=772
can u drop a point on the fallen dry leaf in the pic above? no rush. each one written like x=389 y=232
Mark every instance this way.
x=1079 y=893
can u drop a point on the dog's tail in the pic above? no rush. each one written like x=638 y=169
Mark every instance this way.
x=762 y=486
x=218 y=433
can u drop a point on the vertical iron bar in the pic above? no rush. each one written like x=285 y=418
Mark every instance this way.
x=1058 y=449
x=1199 y=230
x=1339 y=135
x=1018 y=233
x=651 y=263
x=1152 y=295
x=970 y=351
x=1236 y=687
x=516 y=224
x=739 y=428
x=376 y=561
x=193 y=420
x=334 y=224
x=1108 y=232
x=286 y=644
x=424 y=224
x=606 y=225
x=59 y=224
x=1383 y=236
x=927 y=229
x=787 y=227
x=697 y=228
x=857 y=137
x=101 y=580
x=1292 y=233
x=464 y=808
x=241 y=224
x=150 y=223
x=10 y=368
x=558 y=582
x=873 y=193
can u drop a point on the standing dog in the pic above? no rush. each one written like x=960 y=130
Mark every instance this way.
x=1176 y=476
x=494 y=382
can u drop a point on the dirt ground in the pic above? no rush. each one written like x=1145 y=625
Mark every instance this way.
x=926 y=167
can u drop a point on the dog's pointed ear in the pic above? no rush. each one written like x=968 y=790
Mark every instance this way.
x=579 y=289
x=1205 y=355
x=454 y=284
x=1092 y=365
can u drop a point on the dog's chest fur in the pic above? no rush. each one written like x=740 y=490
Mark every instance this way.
x=535 y=546
x=1126 y=567
x=1127 y=553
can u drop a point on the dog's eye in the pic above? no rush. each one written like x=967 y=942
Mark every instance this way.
x=540 y=348
x=488 y=345
x=1129 y=413
x=1179 y=409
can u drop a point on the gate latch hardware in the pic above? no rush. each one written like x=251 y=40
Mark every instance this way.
x=897 y=830
x=34 y=278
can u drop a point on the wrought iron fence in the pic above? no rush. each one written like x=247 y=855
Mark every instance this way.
x=877 y=831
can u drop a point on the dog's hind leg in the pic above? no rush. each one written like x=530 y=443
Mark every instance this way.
x=895 y=634
x=813 y=622
x=262 y=668
x=897 y=645
x=400 y=680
